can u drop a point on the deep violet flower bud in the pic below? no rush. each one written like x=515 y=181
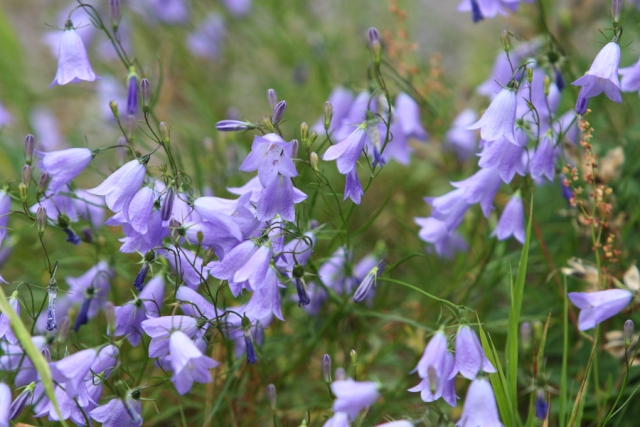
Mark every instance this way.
x=365 y=286
x=43 y=182
x=114 y=11
x=188 y=362
x=29 y=147
x=5 y=403
x=64 y=165
x=511 y=221
x=628 y=332
x=476 y=13
x=470 y=358
x=138 y=283
x=20 y=402
x=375 y=45
x=251 y=352
x=271 y=396
x=352 y=396
x=303 y=294
x=83 y=314
x=326 y=368
x=541 y=405
x=73 y=62
x=121 y=186
x=499 y=119
x=167 y=205
x=145 y=93
x=272 y=97
x=582 y=103
x=234 y=125
x=480 y=406
x=596 y=307
x=295 y=145
x=603 y=74
x=132 y=93
x=278 y=112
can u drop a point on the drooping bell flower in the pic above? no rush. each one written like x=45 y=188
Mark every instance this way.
x=6 y=331
x=481 y=188
x=188 y=362
x=266 y=299
x=480 y=407
x=407 y=111
x=138 y=212
x=630 y=78
x=130 y=316
x=206 y=40
x=499 y=119
x=121 y=186
x=511 y=221
x=160 y=329
x=118 y=413
x=71 y=371
x=341 y=100
x=603 y=74
x=596 y=307
x=470 y=358
x=347 y=151
x=352 y=187
x=98 y=278
x=434 y=368
x=353 y=396
x=64 y=165
x=73 y=62
x=542 y=162
x=446 y=242
x=461 y=140
x=505 y=157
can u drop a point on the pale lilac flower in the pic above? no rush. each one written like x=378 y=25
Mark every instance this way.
x=341 y=100
x=542 y=162
x=352 y=187
x=481 y=188
x=499 y=119
x=233 y=262
x=603 y=74
x=5 y=116
x=64 y=165
x=352 y=396
x=147 y=305
x=271 y=156
x=109 y=89
x=188 y=266
x=266 y=299
x=121 y=186
x=206 y=40
x=347 y=151
x=5 y=207
x=188 y=362
x=356 y=115
x=5 y=404
x=118 y=413
x=6 y=331
x=96 y=281
x=73 y=62
x=174 y=12
x=14 y=359
x=401 y=423
x=505 y=157
x=238 y=7
x=461 y=140
x=511 y=221
x=70 y=371
x=434 y=368
x=46 y=129
x=138 y=213
x=160 y=329
x=407 y=111
x=339 y=419
x=470 y=358
x=89 y=207
x=596 y=307
x=435 y=231
x=630 y=78
x=480 y=406
x=194 y=304
x=278 y=198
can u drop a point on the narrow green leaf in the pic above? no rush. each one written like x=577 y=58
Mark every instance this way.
x=578 y=406
x=38 y=360
x=565 y=355
x=517 y=292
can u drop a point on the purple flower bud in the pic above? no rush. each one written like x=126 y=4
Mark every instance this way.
x=628 y=332
x=272 y=96
x=114 y=11
x=41 y=219
x=72 y=237
x=278 y=112
x=20 y=402
x=596 y=307
x=233 y=125
x=366 y=285
x=251 y=353
x=138 y=283
x=340 y=374
x=132 y=94
x=541 y=405
x=476 y=13
x=326 y=368
x=167 y=205
x=271 y=395
x=582 y=103
x=303 y=295
x=373 y=36
x=83 y=314
x=43 y=182
x=145 y=92
x=46 y=353
x=29 y=147
x=73 y=62
x=26 y=175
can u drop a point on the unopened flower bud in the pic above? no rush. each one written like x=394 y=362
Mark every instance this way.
x=114 y=109
x=200 y=237
x=145 y=94
x=312 y=137
x=327 y=115
x=22 y=189
x=132 y=92
x=366 y=285
x=26 y=175
x=525 y=335
x=272 y=96
x=271 y=395
x=43 y=182
x=63 y=329
x=341 y=375
x=304 y=132
x=313 y=159
x=131 y=124
x=375 y=45
x=167 y=205
x=529 y=74
x=86 y=235
x=41 y=219
x=505 y=37
x=278 y=112
x=326 y=368
x=110 y=314
x=538 y=328
x=29 y=147
x=353 y=355
x=209 y=255
x=294 y=149
x=114 y=11
x=616 y=9
x=46 y=353
x=303 y=295
x=21 y=401
x=628 y=332
x=547 y=84
x=165 y=132
x=234 y=125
